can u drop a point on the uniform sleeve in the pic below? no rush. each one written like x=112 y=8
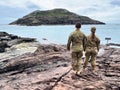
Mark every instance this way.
x=69 y=42
x=84 y=42
x=98 y=44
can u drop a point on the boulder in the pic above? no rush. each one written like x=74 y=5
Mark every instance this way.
x=13 y=42
x=2 y=34
x=3 y=45
x=8 y=40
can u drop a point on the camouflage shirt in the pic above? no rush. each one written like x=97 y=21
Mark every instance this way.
x=77 y=38
x=92 y=42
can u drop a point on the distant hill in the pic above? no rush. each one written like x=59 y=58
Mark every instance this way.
x=53 y=17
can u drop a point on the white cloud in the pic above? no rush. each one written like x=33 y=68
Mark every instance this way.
x=46 y=4
x=96 y=9
x=14 y=3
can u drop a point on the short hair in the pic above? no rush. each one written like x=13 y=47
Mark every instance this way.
x=78 y=25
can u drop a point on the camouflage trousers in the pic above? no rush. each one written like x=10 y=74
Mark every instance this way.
x=76 y=60
x=90 y=56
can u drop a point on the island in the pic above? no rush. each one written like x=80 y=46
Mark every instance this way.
x=54 y=17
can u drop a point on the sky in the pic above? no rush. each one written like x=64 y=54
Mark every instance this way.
x=107 y=11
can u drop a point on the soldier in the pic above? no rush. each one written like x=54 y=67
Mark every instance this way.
x=91 y=49
x=77 y=38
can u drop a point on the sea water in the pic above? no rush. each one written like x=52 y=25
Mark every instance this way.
x=59 y=34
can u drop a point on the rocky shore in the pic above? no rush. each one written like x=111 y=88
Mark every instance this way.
x=8 y=40
x=48 y=67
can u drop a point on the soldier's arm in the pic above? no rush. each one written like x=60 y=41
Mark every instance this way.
x=69 y=42
x=98 y=44
x=84 y=42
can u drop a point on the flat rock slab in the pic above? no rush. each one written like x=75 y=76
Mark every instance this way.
x=49 y=68
x=45 y=80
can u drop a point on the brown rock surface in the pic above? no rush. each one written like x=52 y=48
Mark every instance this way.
x=49 y=69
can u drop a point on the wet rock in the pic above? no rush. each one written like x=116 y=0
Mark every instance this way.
x=8 y=40
x=24 y=39
x=12 y=36
x=2 y=34
x=3 y=45
x=113 y=44
x=14 y=42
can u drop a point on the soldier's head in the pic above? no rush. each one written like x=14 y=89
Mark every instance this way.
x=93 y=29
x=78 y=25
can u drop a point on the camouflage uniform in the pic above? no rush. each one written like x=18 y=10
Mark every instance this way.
x=91 y=49
x=77 y=38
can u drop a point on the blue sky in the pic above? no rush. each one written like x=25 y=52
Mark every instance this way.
x=107 y=11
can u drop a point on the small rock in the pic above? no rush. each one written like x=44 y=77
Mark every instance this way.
x=89 y=88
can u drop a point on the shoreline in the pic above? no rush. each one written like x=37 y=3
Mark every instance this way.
x=18 y=50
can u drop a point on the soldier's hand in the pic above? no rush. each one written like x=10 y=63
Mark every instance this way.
x=84 y=49
x=98 y=50
x=68 y=49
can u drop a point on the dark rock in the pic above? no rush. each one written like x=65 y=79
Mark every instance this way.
x=3 y=34
x=14 y=42
x=20 y=40
x=8 y=40
x=3 y=45
x=2 y=50
x=113 y=44
x=28 y=39
x=13 y=36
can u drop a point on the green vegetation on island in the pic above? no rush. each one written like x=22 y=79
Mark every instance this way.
x=53 y=17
